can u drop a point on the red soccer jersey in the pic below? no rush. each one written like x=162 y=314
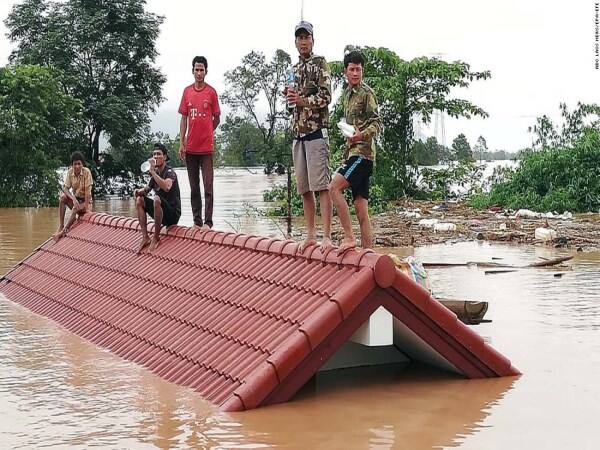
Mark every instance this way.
x=200 y=106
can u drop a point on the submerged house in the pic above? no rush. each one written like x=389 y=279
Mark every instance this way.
x=244 y=320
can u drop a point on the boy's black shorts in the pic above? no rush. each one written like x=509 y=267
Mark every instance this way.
x=170 y=214
x=357 y=171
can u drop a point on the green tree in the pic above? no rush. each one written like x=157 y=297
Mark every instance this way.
x=545 y=133
x=39 y=126
x=428 y=153
x=257 y=82
x=107 y=51
x=584 y=117
x=573 y=126
x=405 y=89
x=242 y=141
x=481 y=149
x=461 y=149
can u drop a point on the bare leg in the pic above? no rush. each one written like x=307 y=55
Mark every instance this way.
x=72 y=218
x=366 y=231
x=62 y=207
x=158 y=214
x=326 y=213
x=139 y=204
x=308 y=203
x=336 y=189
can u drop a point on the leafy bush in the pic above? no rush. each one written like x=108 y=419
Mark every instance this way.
x=558 y=179
x=377 y=199
x=438 y=184
x=278 y=196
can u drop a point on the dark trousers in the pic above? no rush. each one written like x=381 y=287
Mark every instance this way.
x=170 y=215
x=194 y=163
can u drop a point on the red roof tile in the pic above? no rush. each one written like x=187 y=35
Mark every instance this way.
x=244 y=320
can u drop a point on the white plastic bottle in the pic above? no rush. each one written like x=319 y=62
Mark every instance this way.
x=444 y=227
x=290 y=83
x=545 y=234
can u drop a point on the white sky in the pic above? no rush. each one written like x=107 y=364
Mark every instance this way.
x=539 y=52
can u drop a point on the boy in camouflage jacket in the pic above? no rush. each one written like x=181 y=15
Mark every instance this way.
x=310 y=116
x=360 y=110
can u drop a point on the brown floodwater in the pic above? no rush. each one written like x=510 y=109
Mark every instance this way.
x=60 y=391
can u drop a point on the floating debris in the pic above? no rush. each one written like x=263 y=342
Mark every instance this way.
x=397 y=228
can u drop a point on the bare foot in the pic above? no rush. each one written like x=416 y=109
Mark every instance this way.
x=205 y=227
x=145 y=242
x=306 y=243
x=197 y=227
x=154 y=244
x=58 y=235
x=346 y=246
x=326 y=244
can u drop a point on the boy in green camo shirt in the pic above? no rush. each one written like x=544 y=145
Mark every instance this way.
x=360 y=110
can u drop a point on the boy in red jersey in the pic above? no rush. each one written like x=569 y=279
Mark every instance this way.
x=200 y=116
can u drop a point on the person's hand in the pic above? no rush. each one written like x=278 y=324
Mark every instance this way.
x=139 y=192
x=357 y=137
x=182 y=153
x=293 y=98
x=152 y=165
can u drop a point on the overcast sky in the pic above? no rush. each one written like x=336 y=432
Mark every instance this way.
x=539 y=52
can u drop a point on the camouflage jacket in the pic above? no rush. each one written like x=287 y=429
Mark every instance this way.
x=313 y=82
x=360 y=110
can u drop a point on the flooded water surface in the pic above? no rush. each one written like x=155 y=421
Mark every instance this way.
x=60 y=391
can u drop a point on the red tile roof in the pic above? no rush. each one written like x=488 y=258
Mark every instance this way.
x=244 y=320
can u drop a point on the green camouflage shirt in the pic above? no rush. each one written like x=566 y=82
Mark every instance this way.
x=360 y=110
x=313 y=82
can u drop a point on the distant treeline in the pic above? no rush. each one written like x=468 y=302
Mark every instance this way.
x=431 y=153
